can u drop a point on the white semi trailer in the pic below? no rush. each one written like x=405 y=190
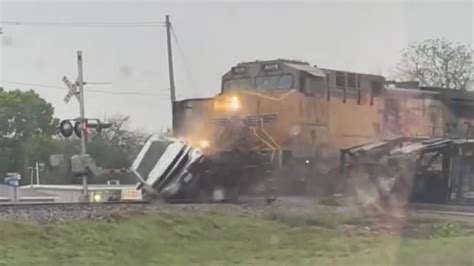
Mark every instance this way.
x=167 y=168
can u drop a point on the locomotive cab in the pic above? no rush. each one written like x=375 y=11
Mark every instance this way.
x=279 y=75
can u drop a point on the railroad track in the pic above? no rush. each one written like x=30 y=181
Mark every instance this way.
x=51 y=212
x=38 y=203
x=301 y=202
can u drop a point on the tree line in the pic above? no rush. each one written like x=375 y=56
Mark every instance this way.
x=29 y=134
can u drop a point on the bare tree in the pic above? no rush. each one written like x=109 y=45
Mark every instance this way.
x=116 y=131
x=439 y=63
x=118 y=134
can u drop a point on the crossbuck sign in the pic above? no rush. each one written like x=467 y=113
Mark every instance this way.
x=72 y=90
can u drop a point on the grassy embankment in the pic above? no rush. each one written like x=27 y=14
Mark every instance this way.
x=218 y=239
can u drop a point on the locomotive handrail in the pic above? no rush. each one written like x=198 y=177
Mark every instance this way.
x=274 y=146
x=277 y=146
x=286 y=94
x=254 y=130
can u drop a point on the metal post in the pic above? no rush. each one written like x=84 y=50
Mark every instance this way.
x=80 y=81
x=170 y=68
x=32 y=173
x=15 y=193
x=37 y=173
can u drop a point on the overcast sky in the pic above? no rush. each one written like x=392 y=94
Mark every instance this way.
x=364 y=36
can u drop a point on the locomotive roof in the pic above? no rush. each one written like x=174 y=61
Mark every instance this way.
x=410 y=90
x=304 y=66
x=274 y=61
x=307 y=68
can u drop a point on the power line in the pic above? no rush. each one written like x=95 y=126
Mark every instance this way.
x=85 y=24
x=88 y=90
x=189 y=75
x=98 y=83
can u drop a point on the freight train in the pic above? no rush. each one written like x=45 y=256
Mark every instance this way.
x=288 y=120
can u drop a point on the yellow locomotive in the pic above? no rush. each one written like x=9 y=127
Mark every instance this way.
x=286 y=114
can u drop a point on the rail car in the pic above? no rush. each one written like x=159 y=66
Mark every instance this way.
x=286 y=114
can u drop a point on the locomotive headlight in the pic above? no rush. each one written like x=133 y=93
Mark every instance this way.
x=234 y=103
x=227 y=104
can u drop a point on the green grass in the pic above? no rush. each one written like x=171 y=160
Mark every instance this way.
x=218 y=239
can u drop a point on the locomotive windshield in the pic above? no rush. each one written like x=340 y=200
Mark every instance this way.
x=237 y=84
x=274 y=82
x=284 y=81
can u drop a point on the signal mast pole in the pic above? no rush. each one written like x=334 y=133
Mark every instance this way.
x=170 y=68
x=80 y=82
x=73 y=91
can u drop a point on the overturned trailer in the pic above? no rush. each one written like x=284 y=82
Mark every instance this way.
x=439 y=170
x=166 y=168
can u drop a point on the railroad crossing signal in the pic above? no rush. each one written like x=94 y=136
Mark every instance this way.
x=66 y=128
x=78 y=127
x=120 y=171
x=72 y=90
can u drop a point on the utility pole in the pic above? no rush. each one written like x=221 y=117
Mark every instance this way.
x=170 y=68
x=80 y=82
